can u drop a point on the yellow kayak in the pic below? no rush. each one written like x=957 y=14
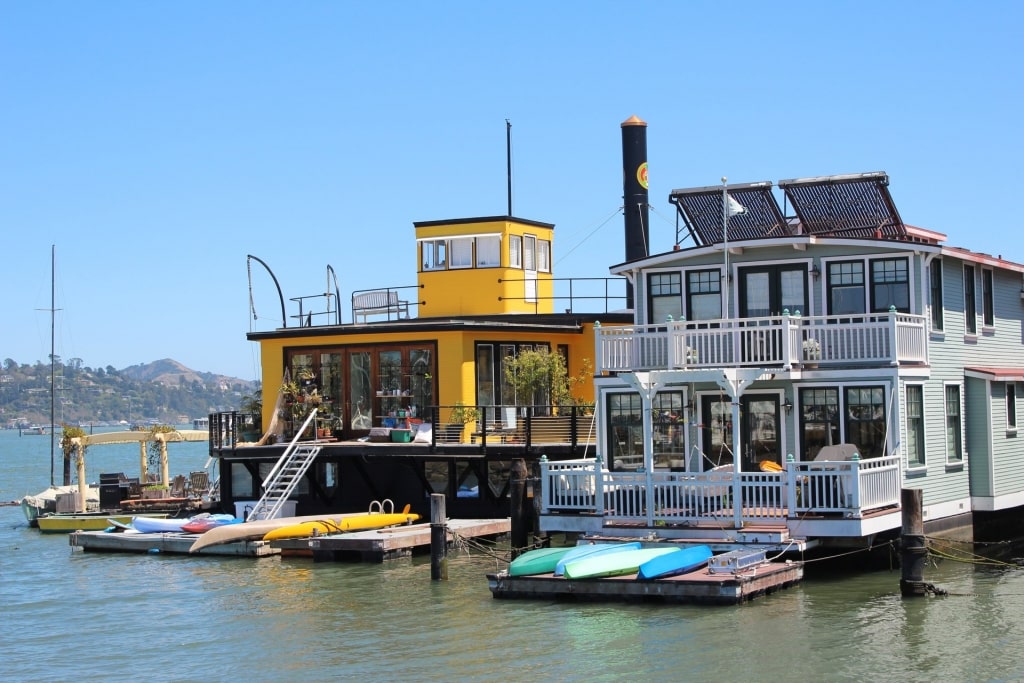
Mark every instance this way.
x=338 y=525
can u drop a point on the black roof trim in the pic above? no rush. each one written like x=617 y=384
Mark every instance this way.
x=482 y=219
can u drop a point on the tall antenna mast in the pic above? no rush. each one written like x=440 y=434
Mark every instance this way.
x=508 y=161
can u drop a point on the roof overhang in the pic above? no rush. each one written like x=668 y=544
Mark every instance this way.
x=996 y=374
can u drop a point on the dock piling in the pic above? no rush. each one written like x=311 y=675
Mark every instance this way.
x=519 y=509
x=438 y=538
x=913 y=546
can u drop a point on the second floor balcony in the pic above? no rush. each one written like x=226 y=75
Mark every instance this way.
x=784 y=341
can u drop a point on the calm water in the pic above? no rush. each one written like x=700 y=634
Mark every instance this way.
x=69 y=615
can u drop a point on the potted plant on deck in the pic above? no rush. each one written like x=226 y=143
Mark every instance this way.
x=458 y=418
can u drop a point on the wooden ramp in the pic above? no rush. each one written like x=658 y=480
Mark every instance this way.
x=175 y=543
x=704 y=586
x=377 y=545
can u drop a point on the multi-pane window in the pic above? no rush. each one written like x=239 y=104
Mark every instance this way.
x=890 y=285
x=970 y=305
x=704 y=295
x=915 y=425
x=865 y=420
x=665 y=296
x=819 y=420
x=954 y=442
x=435 y=254
x=935 y=281
x=846 y=287
x=530 y=252
x=988 y=314
x=488 y=251
x=625 y=431
x=1011 y=406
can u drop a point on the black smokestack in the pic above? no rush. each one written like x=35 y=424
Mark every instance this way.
x=634 y=192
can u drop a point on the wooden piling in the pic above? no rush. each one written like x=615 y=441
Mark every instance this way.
x=438 y=538
x=519 y=510
x=913 y=546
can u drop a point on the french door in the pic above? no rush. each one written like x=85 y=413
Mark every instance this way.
x=760 y=431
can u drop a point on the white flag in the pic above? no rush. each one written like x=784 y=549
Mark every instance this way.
x=735 y=208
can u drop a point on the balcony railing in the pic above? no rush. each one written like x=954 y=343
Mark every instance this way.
x=775 y=341
x=847 y=489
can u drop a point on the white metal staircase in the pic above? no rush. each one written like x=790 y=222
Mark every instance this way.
x=286 y=475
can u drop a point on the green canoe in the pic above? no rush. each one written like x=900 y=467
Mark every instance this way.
x=539 y=561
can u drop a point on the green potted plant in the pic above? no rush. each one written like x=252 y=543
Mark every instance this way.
x=252 y=416
x=458 y=418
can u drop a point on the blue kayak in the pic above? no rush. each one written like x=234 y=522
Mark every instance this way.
x=673 y=564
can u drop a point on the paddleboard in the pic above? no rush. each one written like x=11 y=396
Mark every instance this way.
x=613 y=564
x=581 y=551
x=340 y=525
x=252 y=531
x=674 y=564
x=539 y=561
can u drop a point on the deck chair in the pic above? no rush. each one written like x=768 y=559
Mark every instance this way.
x=178 y=486
x=509 y=423
x=199 y=483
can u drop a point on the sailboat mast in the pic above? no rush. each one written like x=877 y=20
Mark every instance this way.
x=53 y=307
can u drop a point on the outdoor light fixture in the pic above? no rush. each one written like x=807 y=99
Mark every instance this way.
x=815 y=271
x=788 y=405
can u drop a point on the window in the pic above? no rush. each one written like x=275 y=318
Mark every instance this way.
x=434 y=254
x=1011 y=406
x=665 y=295
x=846 y=287
x=770 y=290
x=515 y=251
x=954 y=443
x=669 y=424
x=704 y=295
x=970 y=305
x=625 y=431
x=488 y=251
x=988 y=317
x=530 y=252
x=890 y=285
x=819 y=420
x=544 y=256
x=935 y=280
x=462 y=252
x=492 y=386
x=865 y=420
x=915 y=425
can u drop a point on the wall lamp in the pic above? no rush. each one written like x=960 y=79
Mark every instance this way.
x=815 y=271
x=788 y=405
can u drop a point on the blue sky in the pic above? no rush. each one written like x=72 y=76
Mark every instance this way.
x=156 y=144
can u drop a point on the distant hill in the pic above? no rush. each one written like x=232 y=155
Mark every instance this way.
x=172 y=373
x=164 y=390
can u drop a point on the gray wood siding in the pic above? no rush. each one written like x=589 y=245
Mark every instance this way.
x=979 y=420
x=1007 y=453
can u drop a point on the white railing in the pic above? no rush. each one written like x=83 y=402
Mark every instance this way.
x=787 y=340
x=846 y=488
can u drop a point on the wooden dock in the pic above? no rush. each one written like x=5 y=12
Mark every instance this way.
x=377 y=545
x=175 y=543
x=703 y=586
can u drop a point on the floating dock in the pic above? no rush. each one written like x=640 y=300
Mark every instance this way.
x=704 y=586
x=175 y=543
x=377 y=545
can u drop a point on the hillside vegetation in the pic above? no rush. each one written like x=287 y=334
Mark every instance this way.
x=164 y=390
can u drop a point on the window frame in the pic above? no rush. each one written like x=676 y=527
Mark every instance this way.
x=515 y=251
x=664 y=288
x=988 y=313
x=438 y=253
x=919 y=429
x=878 y=267
x=543 y=256
x=953 y=420
x=1011 y=407
x=694 y=290
x=935 y=289
x=831 y=286
x=970 y=300
x=488 y=246
x=460 y=253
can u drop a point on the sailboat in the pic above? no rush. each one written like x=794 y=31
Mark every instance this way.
x=45 y=501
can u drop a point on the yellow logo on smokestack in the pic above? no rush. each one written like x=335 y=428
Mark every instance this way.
x=641 y=175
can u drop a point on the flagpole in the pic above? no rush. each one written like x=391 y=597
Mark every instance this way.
x=725 y=239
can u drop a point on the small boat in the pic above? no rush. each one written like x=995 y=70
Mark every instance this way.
x=157 y=525
x=252 y=531
x=538 y=561
x=613 y=564
x=200 y=524
x=340 y=525
x=61 y=523
x=45 y=502
x=581 y=551
x=674 y=564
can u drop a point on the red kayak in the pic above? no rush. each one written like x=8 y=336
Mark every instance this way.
x=199 y=525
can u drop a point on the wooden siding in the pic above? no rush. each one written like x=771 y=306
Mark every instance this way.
x=1007 y=453
x=979 y=436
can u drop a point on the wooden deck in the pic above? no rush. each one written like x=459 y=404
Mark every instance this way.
x=377 y=545
x=703 y=586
